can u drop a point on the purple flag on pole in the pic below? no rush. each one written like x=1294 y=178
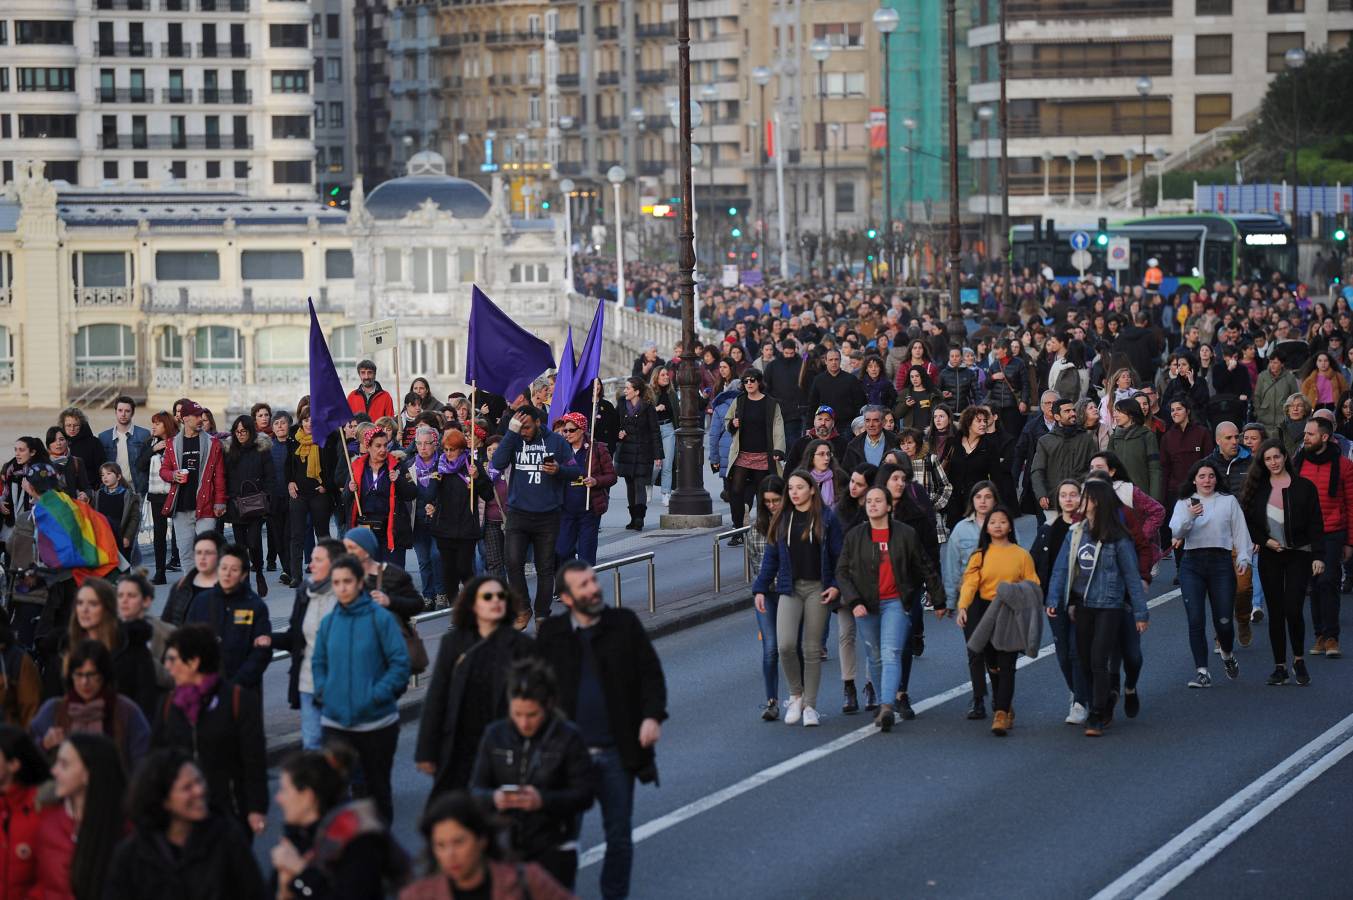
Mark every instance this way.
x=589 y=364
x=328 y=403
x=501 y=356
x=564 y=383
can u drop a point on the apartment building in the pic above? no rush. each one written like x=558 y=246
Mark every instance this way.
x=1072 y=81
x=159 y=93
x=333 y=33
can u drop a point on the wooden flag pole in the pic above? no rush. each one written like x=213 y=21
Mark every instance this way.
x=472 y=461
x=591 y=438
x=352 y=476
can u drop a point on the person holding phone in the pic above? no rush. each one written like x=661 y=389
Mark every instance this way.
x=1208 y=526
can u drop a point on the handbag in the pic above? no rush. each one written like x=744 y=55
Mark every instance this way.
x=413 y=641
x=250 y=505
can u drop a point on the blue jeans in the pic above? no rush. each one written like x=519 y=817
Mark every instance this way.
x=1325 y=588
x=312 y=731
x=1258 y=602
x=887 y=635
x=615 y=796
x=1206 y=576
x=429 y=562
x=1068 y=660
x=770 y=648
x=578 y=536
x=668 y=434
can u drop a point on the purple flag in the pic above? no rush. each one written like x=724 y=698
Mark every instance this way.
x=501 y=356
x=588 y=368
x=328 y=403
x=564 y=379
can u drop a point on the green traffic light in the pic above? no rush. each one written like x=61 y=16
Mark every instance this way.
x=333 y=192
x=1102 y=240
x=871 y=234
x=544 y=204
x=732 y=210
x=736 y=232
x=1340 y=234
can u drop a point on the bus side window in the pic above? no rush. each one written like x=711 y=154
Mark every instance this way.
x=1219 y=261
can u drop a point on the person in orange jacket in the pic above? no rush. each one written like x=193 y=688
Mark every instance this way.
x=369 y=397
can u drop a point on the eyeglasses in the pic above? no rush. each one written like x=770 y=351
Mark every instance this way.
x=86 y=676
x=569 y=429
x=492 y=595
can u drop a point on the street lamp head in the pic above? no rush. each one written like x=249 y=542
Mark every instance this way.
x=490 y=135
x=1295 y=58
x=909 y=123
x=1072 y=155
x=615 y=175
x=820 y=50
x=1098 y=155
x=1144 y=85
x=567 y=185
x=674 y=114
x=1129 y=154
x=1047 y=156
x=408 y=140
x=885 y=20
x=761 y=75
x=697 y=155
x=834 y=127
x=566 y=122
x=985 y=112
x=1160 y=153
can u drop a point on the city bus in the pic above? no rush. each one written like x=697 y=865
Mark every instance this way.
x=1192 y=250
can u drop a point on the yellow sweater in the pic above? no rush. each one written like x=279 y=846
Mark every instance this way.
x=986 y=571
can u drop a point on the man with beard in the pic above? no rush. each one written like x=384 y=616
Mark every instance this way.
x=824 y=429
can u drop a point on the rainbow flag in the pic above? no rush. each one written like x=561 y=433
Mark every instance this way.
x=73 y=535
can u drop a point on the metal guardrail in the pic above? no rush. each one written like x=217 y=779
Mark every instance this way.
x=746 y=556
x=615 y=565
x=416 y=620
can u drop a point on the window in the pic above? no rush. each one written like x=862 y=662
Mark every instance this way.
x=4 y=79
x=97 y=270
x=434 y=357
x=178 y=169
x=319 y=115
x=291 y=171
x=105 y=352
x=110 y=169
x=282 y=347
x=6 y=132
x=465 y=264
x=343 y=347
x=845 y=197
x=1213 y=7
x=1338 y=40
x=288 y=36
x=136 y=39
x=218 y=347
x=290 y=127
x=845 y=84
x=429 y=270
x=336 y=114
x=137 y=79
x=140 y=169
x=1279 y=44
x=169 y=348
x=67 y=170
x=839 y=34
x=1278 y=7
x=1086 y=59
x=528 y=273
x=178 y=132
x=44 y=32
x=241 y=169
x=331 y=26
x=337 y=264
x=187 y=265
x=394 y=258
x=272 y=265
x=335 y=159
x=1210 y=111
x=291 y=81
x=1212 y=54
x=213 y=169
x=333 y=68
x=47 y=79
x=40 y=125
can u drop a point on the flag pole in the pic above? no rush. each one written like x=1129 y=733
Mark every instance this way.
x=592 y=438
x=473 y=391
x=352 y=476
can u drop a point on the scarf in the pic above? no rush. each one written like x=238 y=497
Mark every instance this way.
x=190 y=697
x=423 y=470
x=1327 y=457
x=459 y=467
x=308 y=451
x=873 y=389
x=86 y=717
x=826 y=485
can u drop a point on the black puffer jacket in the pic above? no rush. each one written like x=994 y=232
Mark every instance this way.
x=215 y=864
x=248 y=471
x=642 y=443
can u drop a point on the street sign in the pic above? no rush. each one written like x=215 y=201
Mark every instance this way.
x=377 y=336
x=1082 y=260
x=730 y=276
x=1119 y=253
x=1080 y=240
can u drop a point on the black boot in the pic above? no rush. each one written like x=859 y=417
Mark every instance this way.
x=977 y=709
x=871 y=700
x=852 y=703
x=639 y=513
x=634 y=524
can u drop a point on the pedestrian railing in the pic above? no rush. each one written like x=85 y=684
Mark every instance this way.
x=746 y=556
x=414 y=620
x=615 y=565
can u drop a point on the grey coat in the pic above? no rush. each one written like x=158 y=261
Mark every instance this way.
x=1014 y=623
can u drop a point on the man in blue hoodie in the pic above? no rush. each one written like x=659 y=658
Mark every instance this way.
x=542 y=466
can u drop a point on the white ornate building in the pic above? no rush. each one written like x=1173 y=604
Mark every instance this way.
x=167 y=294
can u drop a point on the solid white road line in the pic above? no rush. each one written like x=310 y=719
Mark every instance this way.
x=765 y=776
x=1169 y=866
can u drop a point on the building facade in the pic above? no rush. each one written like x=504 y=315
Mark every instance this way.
x=154 y=93
x=333 y=32
x=171 y=294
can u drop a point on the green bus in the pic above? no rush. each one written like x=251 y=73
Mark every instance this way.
x=1192 y=250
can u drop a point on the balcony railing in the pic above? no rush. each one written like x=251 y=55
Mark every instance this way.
x=124 y=48
x=609 y=76
x=566 y=79
x=1046 y=10
x=513 y=37
x=450 y=82
x=654 y=76
x=223 y=51
x=180 y=50
x=609 y=123
x=222 y=5
x=176 y=95
x=270 y=376
x=566 y=36
x=125 y=95
x=236 y=96
x=656 y=122
x=607 y=32
x=499 y=122
x=104 y=296
x=183 y=299
x=655 y=29
x=568 y=167
x=122 y=4
x=176 y=142
x=201 y=379
x=123 y=373
x=652 y=167
x=1079 y=69
x=1126 y=125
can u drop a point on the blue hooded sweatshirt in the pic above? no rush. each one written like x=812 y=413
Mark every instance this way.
x=360 y=664
x=529 y=488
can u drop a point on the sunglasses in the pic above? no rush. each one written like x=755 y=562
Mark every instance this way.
x=492 y=595
x=569 y=429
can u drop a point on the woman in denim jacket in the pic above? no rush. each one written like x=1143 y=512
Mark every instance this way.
x=1095 y=589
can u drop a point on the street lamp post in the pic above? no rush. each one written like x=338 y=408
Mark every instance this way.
x=835 y=130
x=761 y=76
x=616 y=176
x=1072 y=156
x=1099 y=172
x=1295 y=59
x=566 y=188
x=1160 y=153
x=985 y=113
x=958 y=332
x=820 y=50
x=690 y=497
x=1128 y=156
x=885 y=20
x=637 y=118
x=710 y=93
x=910 y=124
x=1047 y=174
x=1144 y=86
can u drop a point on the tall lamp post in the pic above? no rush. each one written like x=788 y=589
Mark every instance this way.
x=1047 y=174
x=1295 y=59
x=1144 y=86
x=710 y=94
x=985 y=113
x=616 y=176
x=462 y=141
x=958 y=332
x=690 y=499
x=910 y=124
x=885 y=21
x=820 y=50
x=1072 y=156
x=566 y=188
x=1128 y=156
x=761 y=76
x=637 y=119
x=1099 y=174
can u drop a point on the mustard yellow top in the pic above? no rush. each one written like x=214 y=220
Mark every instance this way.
x=998 y=564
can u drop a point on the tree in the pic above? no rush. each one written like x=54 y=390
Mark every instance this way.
x=1307 y=103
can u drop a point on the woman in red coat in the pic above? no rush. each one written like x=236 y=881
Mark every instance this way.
x=76 y=834
x=18 y=808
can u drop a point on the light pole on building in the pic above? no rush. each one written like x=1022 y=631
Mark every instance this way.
x=910 y=124
x=761 y=76
x=820 y=50
x=885 y=21
x=1144 y=86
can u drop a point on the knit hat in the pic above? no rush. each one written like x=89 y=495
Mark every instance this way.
x=363 y=537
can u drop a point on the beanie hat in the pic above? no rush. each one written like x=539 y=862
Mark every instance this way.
x=363 y=537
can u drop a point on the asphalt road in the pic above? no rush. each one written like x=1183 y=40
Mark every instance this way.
x=941 y=808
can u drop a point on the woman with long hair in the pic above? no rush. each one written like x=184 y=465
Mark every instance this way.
x=76 y=836
x=14 y=501
x=249 y=471
x=770 y=495
x=831 y=480
x=74 y=476
x=917 y=400
x=1282 y=510
x=850 y=505
x=1094 y=582
x=1209 y=527
x=802 y=546
x=1121 y=384
x=1136 y=445
x=1325 y=384
x=468 y=688
x=639 y=447
x=1047 y=546
x=757 y=424
x=929 y=475
x=665 y=405
x=998 y=559
x=918 y=354
x=941 y=436
x=975 y=457
x=878 y=387
x=23 y=769
x=95 y=617
x=1087 y=416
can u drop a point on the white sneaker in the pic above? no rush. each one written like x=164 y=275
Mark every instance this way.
x=666 y=498
x=1077 y=715
x=1257 y=615
x=794 y=711
x=810 y=717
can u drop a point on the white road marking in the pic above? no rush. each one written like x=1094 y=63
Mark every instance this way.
x=1191 y=849
x=647 y=830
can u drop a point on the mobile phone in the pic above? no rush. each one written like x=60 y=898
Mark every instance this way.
x=510 y=788
x=1196 y=501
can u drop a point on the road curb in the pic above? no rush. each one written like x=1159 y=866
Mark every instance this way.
x=411 y=706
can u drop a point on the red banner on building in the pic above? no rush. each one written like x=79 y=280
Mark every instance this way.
x=770 y=139
x=878 y=129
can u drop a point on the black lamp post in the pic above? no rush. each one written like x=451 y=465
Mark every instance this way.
x=885 y=20
x=761 y=75
x=820 y=50
x=958 y=332
x=1295 y=59
x=1144 y=86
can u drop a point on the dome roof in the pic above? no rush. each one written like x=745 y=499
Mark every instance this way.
x=427 y=180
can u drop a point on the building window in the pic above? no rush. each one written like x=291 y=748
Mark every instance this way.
x=241 y=169
x=333 y=68
x=272 y=265
x=1084 y=59
x=291 y=171
x=1338 y=40
x=319 y=70
x=110 y=169
x=1278 y=7
x=105 y=352
x=1210 y=111
x=284 y=347
x=845 y=84
x=291 y=81
x=343 y=347
x=44 y=31
x=290 y=127
x=1279 y=44
x=169 y=348
x=528 y=273
x=429 y=270
x=394 y=258
x=213 y=169
x=319 y=115
x=845 y=197
x=6 y=129
x=335 y=159
x=288 y=36
x=331 y=25
x=140 y=169
x=465 y=264
x=46 y=126
x=838 y=34
x=336 y=114
x=187 y=265
x=337 y=264
x=1213 y=7
x=1212 y=54
x=218 y=347
x=101 y=270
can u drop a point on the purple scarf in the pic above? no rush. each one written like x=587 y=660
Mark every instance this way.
x=189 y=697
x=423 y=470
x=826 y=485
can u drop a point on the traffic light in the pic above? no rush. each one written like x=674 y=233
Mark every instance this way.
x=1102 y=234
x=871 y=234
x=544 y=204
x=732 y=210
x=336 y=196
x=736 y=232
x=1341 y=234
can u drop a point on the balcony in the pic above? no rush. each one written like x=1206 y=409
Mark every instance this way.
x=222 y=5
x=176 y=95
x=223 y=51
x=654 y=123
x=568 y=36
x=655 y=29
x=224 y=96
x=609 y=123
x=1123 y=68
x=122 y=4
x=1053 y=10
x=122 y=374
x=513 y=37
x=610 y=76
x=125 y=95
x=500 y=122
x=104 y=296
x=176 y=142
x=172 y=50
x=566 y=79
x=449 y=83
x=124 y=48
x=1127 y=125
x=568 y=167
x=654 y=76
x=607 y=32
x=652 y=167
